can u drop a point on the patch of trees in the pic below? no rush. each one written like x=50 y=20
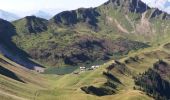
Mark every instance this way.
x=119 y=67
x=107 y=88
x=132 y=60
x=153 y=81
x=101 y=91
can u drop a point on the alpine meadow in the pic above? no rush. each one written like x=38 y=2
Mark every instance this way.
x=119 y=50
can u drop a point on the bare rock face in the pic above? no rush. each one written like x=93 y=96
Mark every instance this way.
x=73 y=17
x=67 y=32
x=31 y=24
x=136 y=6
x=6 y=29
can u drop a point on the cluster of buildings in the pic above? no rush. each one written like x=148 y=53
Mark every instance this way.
x=82 y=69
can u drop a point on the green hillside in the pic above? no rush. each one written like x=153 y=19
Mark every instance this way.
x=127 y=39
x=114 y=75
x=49 y=41
x=17 y=82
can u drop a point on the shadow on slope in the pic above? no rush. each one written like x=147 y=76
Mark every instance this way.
x=111 y=86
x=9 y=49
x=107 y=88
x=10 y=74
x=155 y=81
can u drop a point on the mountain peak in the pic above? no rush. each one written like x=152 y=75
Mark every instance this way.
x=30 y=17
x=43 y=14
x=31 y=24
x=129 y=5
x=70 y=18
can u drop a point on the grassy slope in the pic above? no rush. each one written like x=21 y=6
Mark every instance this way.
x=61 y=37
x=12 y=89
x=67 y=87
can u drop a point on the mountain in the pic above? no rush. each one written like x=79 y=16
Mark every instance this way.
x=52 y=49
x=31 y=24
x=17 y=82
x=110 y=15
x=157 y=79
x=82 y=32
x=76 y=16
x=8 y=16
x=9 y=49
x=43 y=14
x=127 y=40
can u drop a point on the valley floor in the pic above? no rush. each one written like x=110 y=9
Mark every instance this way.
x=36 y=86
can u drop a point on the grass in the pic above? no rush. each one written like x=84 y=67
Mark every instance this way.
x=58 y=38
x=60 y=70
x=17 y=88
x=50 y=86
x=67 y=87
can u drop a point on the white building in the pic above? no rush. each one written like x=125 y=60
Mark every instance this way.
x=95 y=67
x=39 y=69
x=82 y=68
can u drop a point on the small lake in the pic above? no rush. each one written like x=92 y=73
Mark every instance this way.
x=69 y=69
x=60 y=70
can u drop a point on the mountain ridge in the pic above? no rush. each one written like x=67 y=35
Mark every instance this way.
x=136 y=23
x=115 y=42
x=8 y=15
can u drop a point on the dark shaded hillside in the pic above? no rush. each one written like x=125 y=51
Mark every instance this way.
x=9 y=74
x=7 y=30
x=135 y=6
x=71 y=18
x=155 y=82
x=108 y=88
x=111 y=85
x=30 y=24
x=84 y=49
x=88 y=35
x=9 y=49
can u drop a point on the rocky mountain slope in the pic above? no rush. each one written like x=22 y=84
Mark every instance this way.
x=127 y=39
x=113 y=20
x=9 y=49
x=76 y=37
